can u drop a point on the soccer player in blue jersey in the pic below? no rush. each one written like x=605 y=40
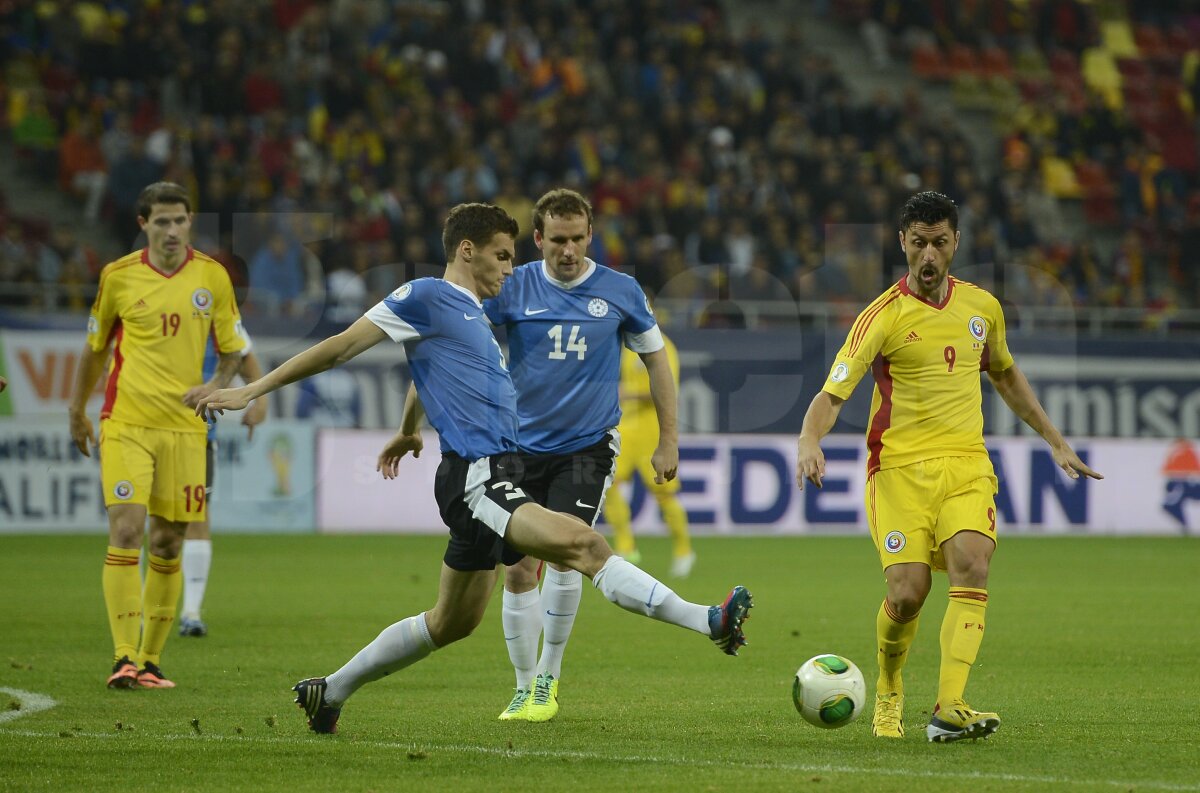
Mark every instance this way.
x=567 y=319
x=464 y=387
x=197 y=539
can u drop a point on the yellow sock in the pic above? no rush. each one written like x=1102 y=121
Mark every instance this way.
x=123 y=599
x=161 y=596
x=894 y=637
x=675 y=516
x=962 y=633
x=618 y=515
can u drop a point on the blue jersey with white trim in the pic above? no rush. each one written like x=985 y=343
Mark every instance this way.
x=564 y=346
x=457 y=365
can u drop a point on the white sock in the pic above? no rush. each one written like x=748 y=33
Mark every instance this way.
x=399 y=645
x=197 y=559
x=633 y=589
x=522 y=620
x=560 y=602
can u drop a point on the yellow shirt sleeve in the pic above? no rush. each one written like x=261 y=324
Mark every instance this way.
x=103 y=318
x=227 y=321
x=864 y=342
x=997 y=358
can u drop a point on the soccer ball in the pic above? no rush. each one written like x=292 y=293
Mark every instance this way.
x=829 y=691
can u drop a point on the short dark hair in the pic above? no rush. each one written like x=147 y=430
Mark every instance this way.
x=929 y=208
x=560 y=203
x=477 y=223
x=162 y=193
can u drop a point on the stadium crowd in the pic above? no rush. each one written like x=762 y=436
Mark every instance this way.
x=322 y=139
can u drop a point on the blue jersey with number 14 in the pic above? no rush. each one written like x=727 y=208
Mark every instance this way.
x=564 y=347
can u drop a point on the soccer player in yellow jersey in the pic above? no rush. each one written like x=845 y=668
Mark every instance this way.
x=639 y=438
x=155 y=308
x=930 y=493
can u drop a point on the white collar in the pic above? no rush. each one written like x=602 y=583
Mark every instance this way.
x=474 y=297
x=587 y=273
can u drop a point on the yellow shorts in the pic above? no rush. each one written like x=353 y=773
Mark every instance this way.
x=639 y=439
x=913 y=509
x=162 y=470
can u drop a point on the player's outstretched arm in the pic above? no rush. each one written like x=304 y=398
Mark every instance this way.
x=818 y=421
x=227 y=367
x=251 y=370
x=91 y=366
x=407 y=438
x=334 y=351
x=665 y=459
x=1016 y=392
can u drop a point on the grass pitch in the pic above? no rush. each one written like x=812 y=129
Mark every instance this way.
x=1090 y=659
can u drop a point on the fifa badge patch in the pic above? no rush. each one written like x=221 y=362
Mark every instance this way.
x=839 y=373
x=123 y=490
x=402 y=292
x=598 y=307
x=894 y=542
x=978 y=328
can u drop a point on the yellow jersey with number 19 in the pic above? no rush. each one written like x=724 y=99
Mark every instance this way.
x=160 y=323
x=926 y=359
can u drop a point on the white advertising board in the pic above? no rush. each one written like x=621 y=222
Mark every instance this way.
x=745 y=484
x=46 y=485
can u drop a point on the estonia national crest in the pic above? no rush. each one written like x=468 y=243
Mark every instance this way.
x=598 y=307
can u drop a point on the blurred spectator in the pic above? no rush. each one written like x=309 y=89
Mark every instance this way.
x=82 y=170
x=277 y=277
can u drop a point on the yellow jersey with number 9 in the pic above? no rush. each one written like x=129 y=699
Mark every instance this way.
x=160 y=323
x=926 y=359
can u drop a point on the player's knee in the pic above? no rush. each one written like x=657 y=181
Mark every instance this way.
x=907 y=596
x=448 y=628
x=589 y=552
x=972 y=572
x=520 y=578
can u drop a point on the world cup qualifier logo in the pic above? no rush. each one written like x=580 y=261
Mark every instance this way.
x=123 y=490
x=894 y=542
x=1181 y=477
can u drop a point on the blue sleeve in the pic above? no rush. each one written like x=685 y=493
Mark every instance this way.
x=493 y=309
x=639 y=318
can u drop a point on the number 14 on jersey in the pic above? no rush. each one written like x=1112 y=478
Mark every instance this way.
x=575 y=343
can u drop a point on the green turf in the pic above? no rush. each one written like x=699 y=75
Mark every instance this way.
x=1090 y=658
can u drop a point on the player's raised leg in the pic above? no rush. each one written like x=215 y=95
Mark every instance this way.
x=537 y=531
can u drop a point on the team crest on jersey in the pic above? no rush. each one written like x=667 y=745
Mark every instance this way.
x=402 y=292
x=894 y=542
x=202 y=299
x=978 y=328
x=123 y=490
x=598 y=307
x=840 y=373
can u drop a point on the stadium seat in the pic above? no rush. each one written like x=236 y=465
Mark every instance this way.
x=1151 y=42
x=961 y=59
x=1099 y=193
x=927 y=62
x=994 y=62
